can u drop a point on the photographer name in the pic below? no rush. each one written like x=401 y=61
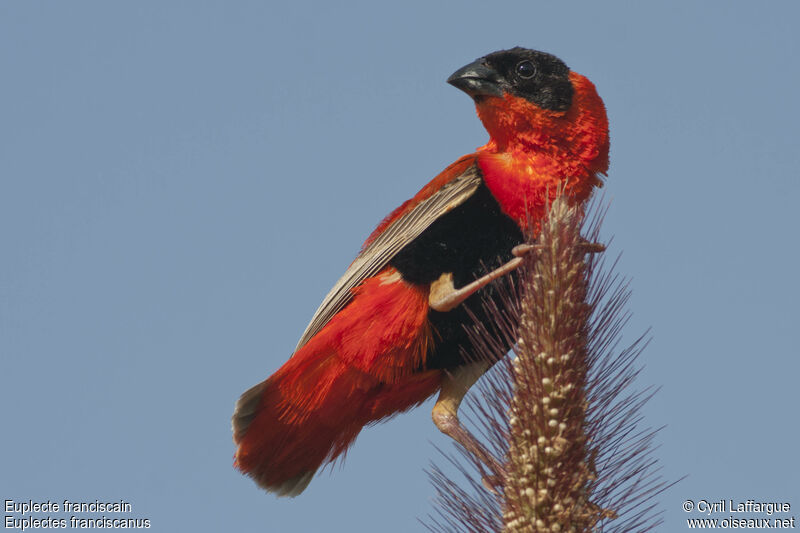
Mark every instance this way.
x=747 y=506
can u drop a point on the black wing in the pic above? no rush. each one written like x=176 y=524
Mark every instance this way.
x=389 y=242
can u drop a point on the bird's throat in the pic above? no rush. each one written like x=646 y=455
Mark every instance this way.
x=524 y=184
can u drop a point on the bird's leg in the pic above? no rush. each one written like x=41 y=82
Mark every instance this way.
x=582 y=246
x=445 y=297
x=455 y=385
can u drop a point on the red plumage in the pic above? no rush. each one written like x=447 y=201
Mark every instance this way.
x=371 y=350
x=357 y=370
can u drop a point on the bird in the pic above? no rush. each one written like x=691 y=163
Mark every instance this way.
x=393 y=330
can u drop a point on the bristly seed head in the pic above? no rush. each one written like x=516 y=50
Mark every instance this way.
x=546 y=407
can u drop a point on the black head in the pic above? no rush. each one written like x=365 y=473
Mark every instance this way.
x=540 y=78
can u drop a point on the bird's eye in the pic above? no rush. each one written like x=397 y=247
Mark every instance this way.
x=526 y=70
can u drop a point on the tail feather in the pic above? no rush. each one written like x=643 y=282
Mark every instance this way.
x=293 y=486
x=246 y=410
x=360 y=368
x=288 y=426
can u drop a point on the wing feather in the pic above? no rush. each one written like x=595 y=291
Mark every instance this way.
x=377 y=254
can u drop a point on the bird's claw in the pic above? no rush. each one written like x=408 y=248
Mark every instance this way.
x=584 y=246
x=590 y=247
x=492 y=484
x=522 y=250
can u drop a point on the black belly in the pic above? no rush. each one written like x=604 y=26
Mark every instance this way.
x=469 y=241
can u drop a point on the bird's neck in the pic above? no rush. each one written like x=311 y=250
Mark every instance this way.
x=525 y=185
x=531 y=156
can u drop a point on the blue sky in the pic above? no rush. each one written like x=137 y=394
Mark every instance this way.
x=182 y=182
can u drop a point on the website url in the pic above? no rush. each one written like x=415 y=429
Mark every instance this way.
x=740 y=523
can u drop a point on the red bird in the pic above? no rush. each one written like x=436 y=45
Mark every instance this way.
x=391 y=331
